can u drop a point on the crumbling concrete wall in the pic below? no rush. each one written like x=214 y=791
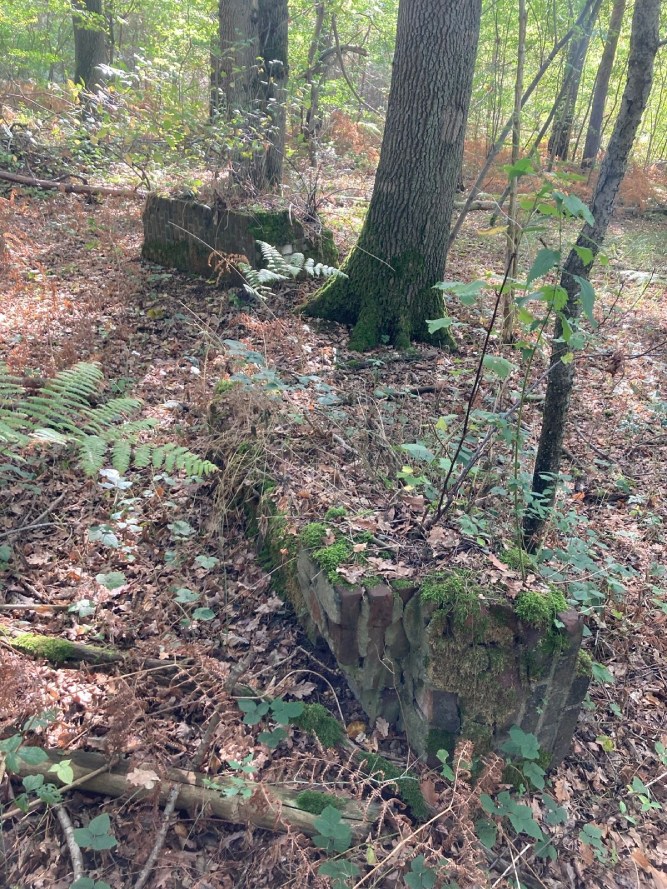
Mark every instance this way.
x=183 y=235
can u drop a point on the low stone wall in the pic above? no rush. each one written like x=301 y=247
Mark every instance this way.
x=440 y=674
x=183 y=234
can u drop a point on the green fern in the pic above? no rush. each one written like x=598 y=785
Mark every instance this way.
x=257 y=282
x=64 y=412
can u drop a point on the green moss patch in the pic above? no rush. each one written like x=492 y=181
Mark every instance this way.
x=315 y=802
x=407 y=786
x=317 y=720
x=539 y=609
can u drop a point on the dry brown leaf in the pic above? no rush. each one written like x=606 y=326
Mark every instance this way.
x=143 y=778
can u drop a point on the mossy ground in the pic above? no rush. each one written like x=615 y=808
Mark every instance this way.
x=317 y=720
x=407 y=786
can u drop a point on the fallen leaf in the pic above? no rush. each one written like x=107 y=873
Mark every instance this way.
x=143 y=778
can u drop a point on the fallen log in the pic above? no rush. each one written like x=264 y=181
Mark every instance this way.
x=271 y=807
x=70 y=188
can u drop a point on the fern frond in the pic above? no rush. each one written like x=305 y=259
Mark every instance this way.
x=121 y=453
x=92 y=451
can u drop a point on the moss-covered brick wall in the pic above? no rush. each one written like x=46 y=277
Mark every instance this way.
x=182 y=234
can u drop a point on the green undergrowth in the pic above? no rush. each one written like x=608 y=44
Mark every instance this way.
x=407 y=786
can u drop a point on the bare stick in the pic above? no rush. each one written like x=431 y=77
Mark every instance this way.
x=160 y=838
x=72 y=845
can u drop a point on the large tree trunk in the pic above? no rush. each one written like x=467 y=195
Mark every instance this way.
x=273 y=41
x=388 y=294
x=643 y=49
x=248 y=86
x=594 y=134
x=90 y=50
x=559 y=143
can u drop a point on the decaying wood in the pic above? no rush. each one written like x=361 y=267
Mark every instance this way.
x=271 y=807
x=69 y=188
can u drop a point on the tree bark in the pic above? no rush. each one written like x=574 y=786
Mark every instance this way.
x=559 y=143
x=90 y=49
x=248 y=86
x=643 y=48
x=513 y=227
x=594 y=133
x=273 y=44
x=388 y=294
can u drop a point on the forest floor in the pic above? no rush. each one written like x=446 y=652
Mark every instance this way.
x=74 y=288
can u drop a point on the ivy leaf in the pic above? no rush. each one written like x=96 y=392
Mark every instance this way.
x=334 y=835
x=520 y=743
x=185 y=596
x=203 y=614
x=521 y=819
x=544 y=261
x=207 y=562
x=33 y=782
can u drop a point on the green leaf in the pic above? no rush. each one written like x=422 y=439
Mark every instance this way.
x=419 y=876
x=466 y=292
x=439 y=324
x=585 y=254
x=522 y=167
x=586 y=297
x=33 y=782
x=419 y=452
x=601 y=673
x=339 y=872
x=334 y=835
x=33 y=756
x=520 y=743
x=185 y=596
x=534 y=774
x=521 y=819
x=488 y=804
x=207 y=562
x=254 y=710
x=501 y=367
x=284 y=711
x=574 y=206
x=5 y=552
x=100 y=825
x=112 y=581
x=63 y=770
x=203 y=614
x=545 y=260
x=11 y=744
x=181 y=528
x=487 y=832
x=568 y=358
x=272 y=739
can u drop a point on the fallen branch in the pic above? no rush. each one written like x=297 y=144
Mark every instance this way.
x=271 y=807
x=72 y=845
x=68 y=188
x=58 y=651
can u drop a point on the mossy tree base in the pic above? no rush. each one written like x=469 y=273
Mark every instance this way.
x=383 y=303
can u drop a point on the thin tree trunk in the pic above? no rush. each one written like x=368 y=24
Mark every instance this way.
x=559 y=144
x=594 y=134
x=388 y=294
x=643 y=48
x=513 y=227
x=89 y=42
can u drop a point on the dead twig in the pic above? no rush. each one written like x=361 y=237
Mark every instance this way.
x=72 y=845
